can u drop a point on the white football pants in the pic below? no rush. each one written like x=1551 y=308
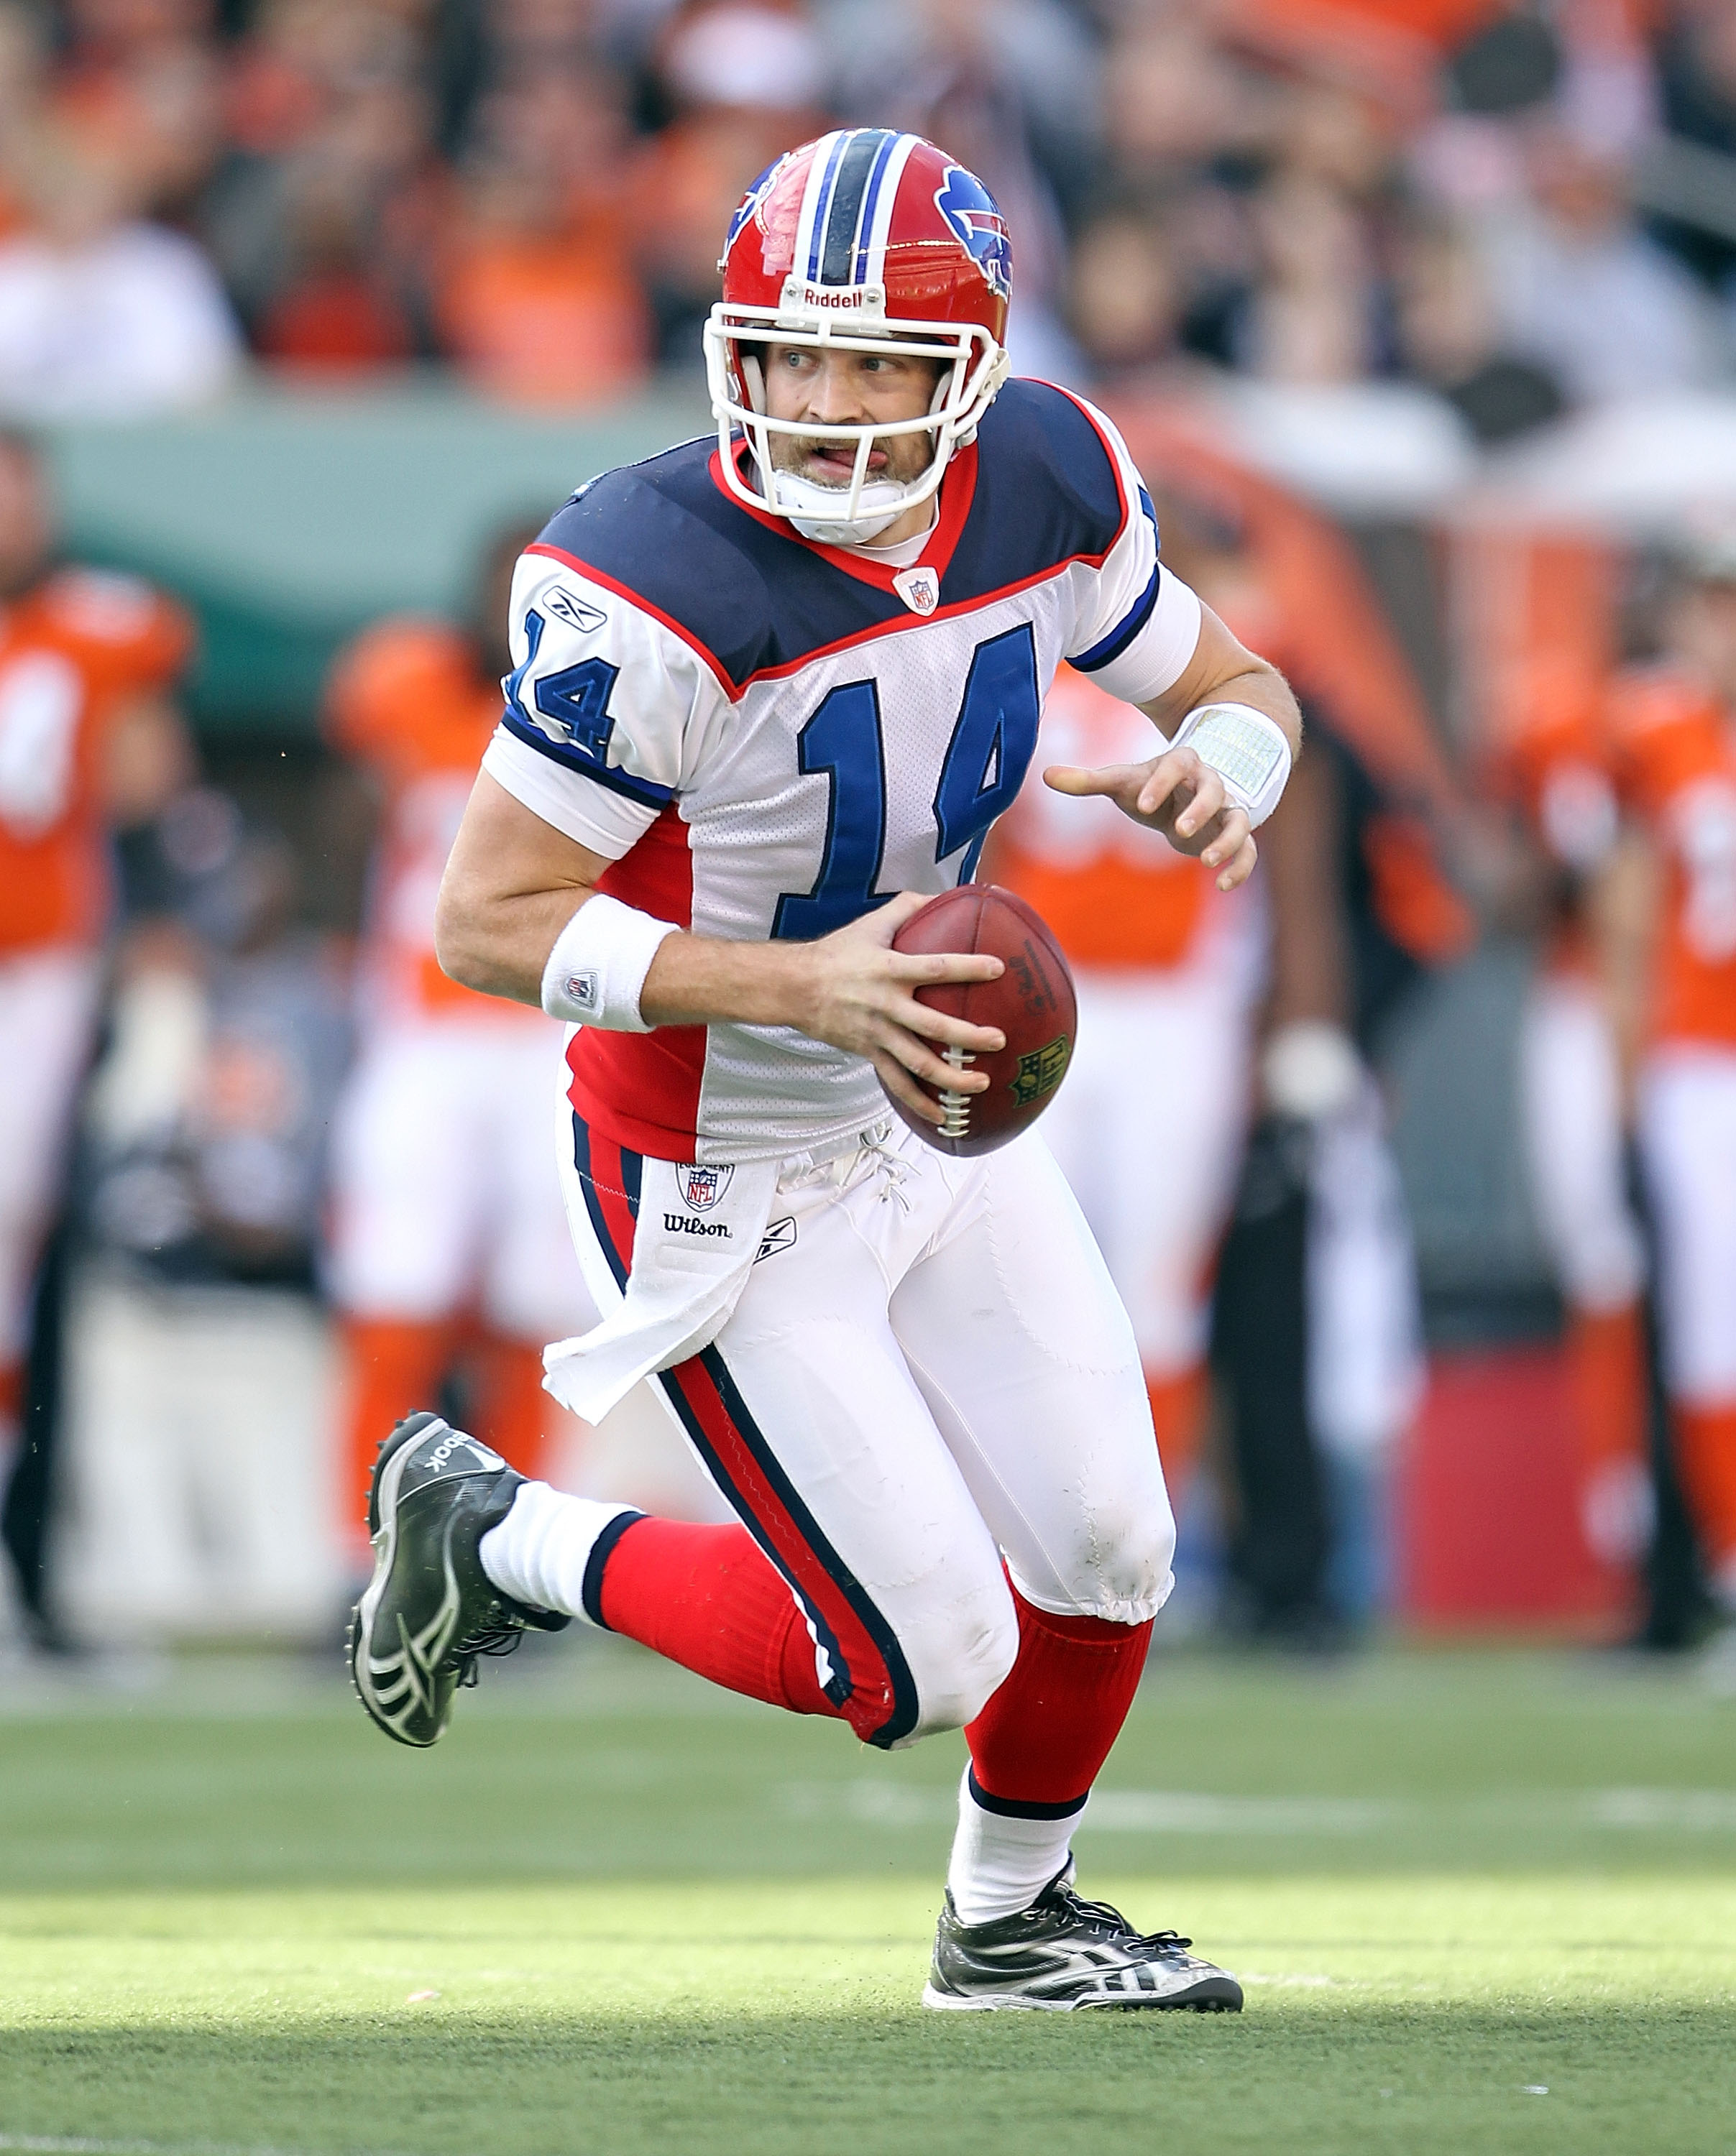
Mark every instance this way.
x=1148 y=1131
x=1688 y=1139
x=1570 y=1099
x=929 y=1369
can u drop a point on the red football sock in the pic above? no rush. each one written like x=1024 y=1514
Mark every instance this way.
x=709 y=1599
x=1046 y=1733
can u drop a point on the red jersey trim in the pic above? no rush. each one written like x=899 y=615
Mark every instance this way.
x=657 y=1141
x=626 y=592
x=900 y=623
x=958 y=490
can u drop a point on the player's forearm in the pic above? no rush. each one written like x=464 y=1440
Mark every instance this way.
x=500 y=945
x=1264 y=689
x=699 y=980
x=1258 y=683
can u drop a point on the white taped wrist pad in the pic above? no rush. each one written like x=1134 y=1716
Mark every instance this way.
x=1247 y=749
x=599 y=964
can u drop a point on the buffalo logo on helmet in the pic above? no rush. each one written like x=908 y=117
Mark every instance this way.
x=702 y=1187
x=971 y=213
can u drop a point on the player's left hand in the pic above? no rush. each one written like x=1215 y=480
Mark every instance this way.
x=1181 y=797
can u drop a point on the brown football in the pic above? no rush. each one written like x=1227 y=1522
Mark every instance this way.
x=1032 y=1002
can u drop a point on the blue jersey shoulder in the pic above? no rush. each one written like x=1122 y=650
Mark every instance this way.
x=1047 y=492
x=665 y=534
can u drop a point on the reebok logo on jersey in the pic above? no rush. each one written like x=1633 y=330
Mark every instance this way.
x=919 y=589
x=780 y=1235
x=678 y=1223
x=566 y=605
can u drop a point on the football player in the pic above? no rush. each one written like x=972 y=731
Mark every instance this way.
x=770 y=694
x=91 y=741
x=443 y=1214
x=1675 y=729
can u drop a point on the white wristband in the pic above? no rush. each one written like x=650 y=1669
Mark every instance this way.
x=598 y=965
x=1247 y=749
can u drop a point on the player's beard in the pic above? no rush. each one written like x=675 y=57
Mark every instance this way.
x=907 y=458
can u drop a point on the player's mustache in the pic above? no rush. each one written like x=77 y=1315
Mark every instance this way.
x=791 y=453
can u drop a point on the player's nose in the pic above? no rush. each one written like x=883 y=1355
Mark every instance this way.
x=832 y=397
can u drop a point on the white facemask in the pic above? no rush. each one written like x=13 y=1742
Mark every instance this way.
x=880 y=503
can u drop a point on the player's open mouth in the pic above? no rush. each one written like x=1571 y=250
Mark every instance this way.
x=836 y=467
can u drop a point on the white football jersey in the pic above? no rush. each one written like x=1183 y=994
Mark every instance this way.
x=768 y=736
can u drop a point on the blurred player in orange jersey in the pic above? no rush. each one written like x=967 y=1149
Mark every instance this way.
x=449 y=1241
x=1166 y=971
x=1544 y=628
x=1675 y=728
x=89 y=741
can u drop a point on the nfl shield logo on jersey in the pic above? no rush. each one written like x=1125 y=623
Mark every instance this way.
x=919 y=589
x=702 y=1187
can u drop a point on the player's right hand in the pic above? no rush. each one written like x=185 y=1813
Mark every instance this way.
x=858 y=993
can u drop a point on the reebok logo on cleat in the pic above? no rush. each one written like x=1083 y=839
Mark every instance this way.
x=444 y=1450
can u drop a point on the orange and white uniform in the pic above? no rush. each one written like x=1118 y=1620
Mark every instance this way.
x=1555 y=763
x=75 y=651
x=446 y=1218
x=1149 y=1128
x=1677 y=748
x=1534 y=609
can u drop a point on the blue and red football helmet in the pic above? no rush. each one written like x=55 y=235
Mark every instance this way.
x=865 y=240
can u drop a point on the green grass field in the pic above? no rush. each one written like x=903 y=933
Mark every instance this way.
x=1481 y=1902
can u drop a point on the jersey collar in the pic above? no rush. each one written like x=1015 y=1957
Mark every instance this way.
x=958 y=490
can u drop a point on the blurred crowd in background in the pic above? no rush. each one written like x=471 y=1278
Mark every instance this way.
x=268 y=1180
x=1455 y=192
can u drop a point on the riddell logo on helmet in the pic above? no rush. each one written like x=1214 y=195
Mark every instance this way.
x=802 y=297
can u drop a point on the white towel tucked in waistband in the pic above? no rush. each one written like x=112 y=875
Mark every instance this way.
x=697 y=1235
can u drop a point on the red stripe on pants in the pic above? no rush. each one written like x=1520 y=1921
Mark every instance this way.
x=873 y=1693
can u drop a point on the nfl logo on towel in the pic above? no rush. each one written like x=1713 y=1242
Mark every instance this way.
x=702 y=1187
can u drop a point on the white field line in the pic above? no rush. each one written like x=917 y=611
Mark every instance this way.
x=1186 y=1811
x=52 y=2144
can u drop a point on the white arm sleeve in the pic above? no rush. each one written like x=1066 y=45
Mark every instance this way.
x=600 y=706
x=1137 y=623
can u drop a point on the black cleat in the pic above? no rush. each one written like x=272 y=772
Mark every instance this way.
x=430 y=1610
x=1062 y=1954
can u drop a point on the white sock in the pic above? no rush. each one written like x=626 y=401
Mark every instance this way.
x=1001 y=1864
x=541 y=1551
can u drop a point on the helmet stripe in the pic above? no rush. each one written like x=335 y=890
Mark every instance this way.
x=870 y=199
x=838 y=256
x=877 y=219
x=817 y=197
